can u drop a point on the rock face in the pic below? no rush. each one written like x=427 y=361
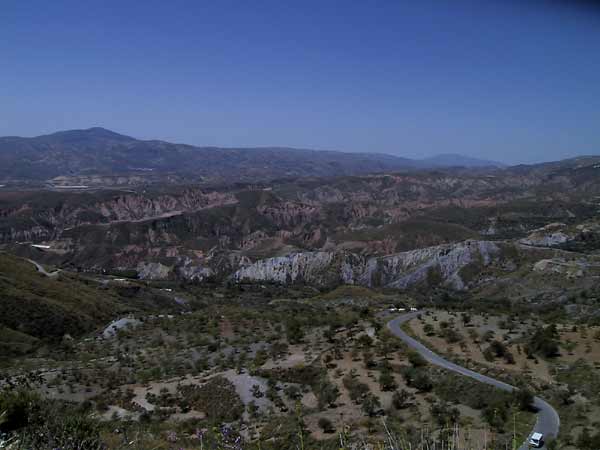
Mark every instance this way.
x=47 y=217
x=300 y=267
x=113 y=327
x=289 y=214
x=153 y=271
x=401 y=270
x=195 y=273
x=132 y=207
x=569 y=269
x=549 y=236
x=409 y=268
x=331 y=230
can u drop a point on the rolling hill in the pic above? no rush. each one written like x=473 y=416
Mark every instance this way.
x=37 y=308
x=76 y=156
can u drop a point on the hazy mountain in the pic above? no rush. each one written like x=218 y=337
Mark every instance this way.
x=100 y=151
x=456 y=160
x=97 y=151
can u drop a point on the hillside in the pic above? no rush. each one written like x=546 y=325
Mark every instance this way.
x=245 y=299
x=456 y=160
x=36 y=307
x=82 y=153
x=200 y=233
x=97 y=156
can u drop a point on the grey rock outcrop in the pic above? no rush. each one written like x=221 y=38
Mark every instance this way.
x=400 y=270
x=549 y=236
x=153 y=271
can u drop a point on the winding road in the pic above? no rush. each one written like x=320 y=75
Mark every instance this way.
x=43 y=271
x=548 y=421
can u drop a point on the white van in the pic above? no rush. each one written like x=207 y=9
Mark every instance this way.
x=536 y=440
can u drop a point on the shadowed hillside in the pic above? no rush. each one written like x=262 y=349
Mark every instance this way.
x=35 y=306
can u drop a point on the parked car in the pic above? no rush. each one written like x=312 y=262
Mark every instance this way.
x=536 y=440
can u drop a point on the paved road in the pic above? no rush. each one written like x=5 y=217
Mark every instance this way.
x=548 y=422
x=41 y=269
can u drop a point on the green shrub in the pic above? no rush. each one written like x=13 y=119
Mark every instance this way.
x=387 y=381
x=400 y=399
x=16 y=409
x=38 y=424
x=544 y=342
x=326 y=392
x=416 y=359
x=326 y=425
x=371 y=405
x=217 y=398
x=356 y=389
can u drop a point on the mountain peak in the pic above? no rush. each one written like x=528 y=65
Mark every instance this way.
x=94 y=133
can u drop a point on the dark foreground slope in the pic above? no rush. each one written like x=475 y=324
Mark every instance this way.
x=36 y=307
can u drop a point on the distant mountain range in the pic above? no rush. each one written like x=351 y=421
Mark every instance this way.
x=76 y=154
x=456 y=160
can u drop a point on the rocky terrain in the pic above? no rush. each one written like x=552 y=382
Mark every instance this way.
x=453 y=228
x=174 y=307
x=399 y=270
x=49 y=214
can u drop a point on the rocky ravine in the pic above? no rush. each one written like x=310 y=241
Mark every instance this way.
x=32 y=219
x=398 y=271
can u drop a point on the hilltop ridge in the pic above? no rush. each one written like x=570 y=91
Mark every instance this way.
x=68 y=157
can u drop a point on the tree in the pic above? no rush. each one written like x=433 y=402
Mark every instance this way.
x=400 y=399
x=292 y=392
x=524 y=399
x=496 y=414
x=42 y=424
x=498 y=348
x=371 y=405
x=452 y=336
x=294 y=331
x=365 y=341
x=326 y=392
x=444 y=414
x=488 y=354
x=356 y=389
x=387 y=381
x=416 y=359
x=326 y=425
x=422 y=382
x=16 y=408
x=368 y=359
x=587 y=441
x=428 y=329
x=545 y=342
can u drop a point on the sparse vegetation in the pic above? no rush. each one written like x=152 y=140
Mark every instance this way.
x=295 y=359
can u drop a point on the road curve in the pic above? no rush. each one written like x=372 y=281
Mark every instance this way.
x=43 y=271
x=548 y=421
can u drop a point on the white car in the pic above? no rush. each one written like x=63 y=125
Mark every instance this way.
x=536 y=440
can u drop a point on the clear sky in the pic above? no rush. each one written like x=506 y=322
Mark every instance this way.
x=515 y=81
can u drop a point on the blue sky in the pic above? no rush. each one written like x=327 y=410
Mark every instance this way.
x=515 y=81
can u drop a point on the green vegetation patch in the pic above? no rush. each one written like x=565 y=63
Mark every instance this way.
x=217 y=398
